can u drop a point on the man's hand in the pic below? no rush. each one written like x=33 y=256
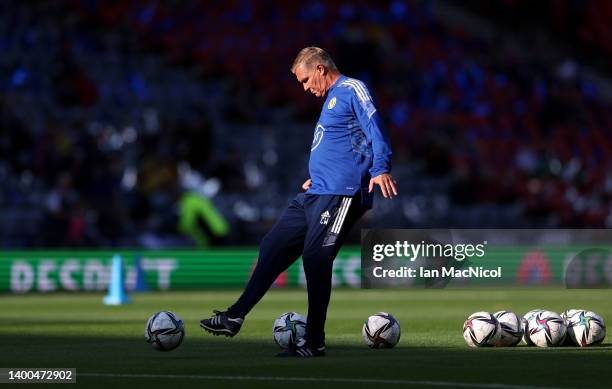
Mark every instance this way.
x=386 y=182
x=307 y=184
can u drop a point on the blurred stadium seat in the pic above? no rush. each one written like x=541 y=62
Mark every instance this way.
x=101 y=102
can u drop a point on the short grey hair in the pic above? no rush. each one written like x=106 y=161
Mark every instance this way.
x=312 y=55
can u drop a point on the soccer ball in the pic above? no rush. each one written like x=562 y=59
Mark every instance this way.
x=546 y=329
x=570 y=312
x=381 y=330
x=165 y=331
x=288 y=328
x=524 y=322
x=565 y=314
x=481 y=329
x=511 y=329
x=584 y=328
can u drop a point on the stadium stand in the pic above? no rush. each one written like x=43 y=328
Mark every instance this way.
x=110 y=111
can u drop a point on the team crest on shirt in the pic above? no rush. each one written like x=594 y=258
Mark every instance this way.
x=332 y=103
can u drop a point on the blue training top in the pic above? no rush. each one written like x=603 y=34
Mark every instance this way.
x=350 y=144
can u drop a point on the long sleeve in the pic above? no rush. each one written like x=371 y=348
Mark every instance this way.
x=371 y=123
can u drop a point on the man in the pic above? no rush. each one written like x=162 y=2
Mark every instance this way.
x=349 y=155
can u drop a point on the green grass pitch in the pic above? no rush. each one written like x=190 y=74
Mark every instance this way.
x=106 y=344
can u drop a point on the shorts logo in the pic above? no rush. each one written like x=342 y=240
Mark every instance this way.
x=339 y=216
x=332 y=103
x=325 y=218
x=318 y=137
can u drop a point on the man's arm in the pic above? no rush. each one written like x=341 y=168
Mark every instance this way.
x=371 y=123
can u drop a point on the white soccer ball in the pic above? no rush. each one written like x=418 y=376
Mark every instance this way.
x=511 y=328
x=165 y=331
x=481 y=329
x=381 y=330
x=584 y=328
x=570 y=312
x=524 y=322
x=288 y=328
x=546 y=329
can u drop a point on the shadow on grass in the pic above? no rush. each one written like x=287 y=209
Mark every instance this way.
x=203 y=355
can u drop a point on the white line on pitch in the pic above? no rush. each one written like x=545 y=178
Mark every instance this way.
x=315 y=379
